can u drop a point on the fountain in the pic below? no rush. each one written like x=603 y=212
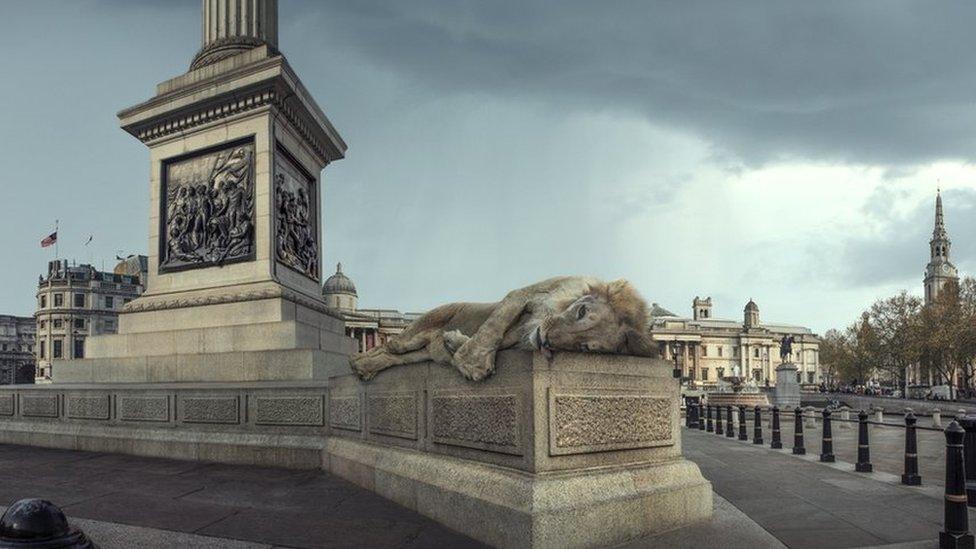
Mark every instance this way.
x=737 y=390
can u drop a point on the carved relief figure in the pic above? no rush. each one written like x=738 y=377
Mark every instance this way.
x=296 y=244
x=209 y=209
x=560 y=314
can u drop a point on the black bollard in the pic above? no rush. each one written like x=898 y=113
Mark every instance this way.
x=911 y=477
x=776 y=443
x=701 y=416
x=718 y=421
x=709 y=425
x=798 y=448
x=827 y=443
x=863 y=464
x=969 y=453
x=757 y=426
x=691 y=413
x=39 y=523
x=956 y=534
x=729 y=429
x=742 y=424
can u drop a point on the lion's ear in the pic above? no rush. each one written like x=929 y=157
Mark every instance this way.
x=639 y=343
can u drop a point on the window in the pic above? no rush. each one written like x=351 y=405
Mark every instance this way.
x=79 y=301
x=109 y=302
x=57 y=351
x=755 y=352
x=44 y=349
x=80 y=323
x=57 y=324
x=80 y=348
x=59 y=300
x=757 y=375
x=809 y=377
x=720 y=351
x=109 y=325
x=704 y=372
x=719 y=372
x=43 y=301
x=799 y=377
x=43 y=324
x=704 y=351
x=4 y=347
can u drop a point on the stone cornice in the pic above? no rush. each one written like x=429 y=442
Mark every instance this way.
x=277 y=292
x=267 y=82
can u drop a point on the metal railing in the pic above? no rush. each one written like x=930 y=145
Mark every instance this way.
x=960 y=466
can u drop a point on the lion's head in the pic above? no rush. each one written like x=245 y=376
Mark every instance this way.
x=609 y=318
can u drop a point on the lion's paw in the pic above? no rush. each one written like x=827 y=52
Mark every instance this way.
x=453 y=340
x=359 y=365
x=478 y=366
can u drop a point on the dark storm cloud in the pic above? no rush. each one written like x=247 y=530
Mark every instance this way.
x=886 y=82
x=898 y=251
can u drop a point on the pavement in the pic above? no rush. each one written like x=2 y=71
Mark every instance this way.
x=763 y=498
x=807 y=504
x=125 y=501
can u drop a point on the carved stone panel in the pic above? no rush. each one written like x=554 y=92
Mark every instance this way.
x=289 y=410
x=7 y=405
x=144 y=408
x=585 y=423
x=89 y=406
x=210 y=409
x=296 y=217
x=39 y=405
x=207 y=208
x=486 y=422
x=392 y=414
x=345 y=412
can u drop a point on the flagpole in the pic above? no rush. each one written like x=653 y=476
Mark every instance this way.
x=57 y=240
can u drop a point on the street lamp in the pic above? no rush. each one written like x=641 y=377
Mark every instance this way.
x=675 y=348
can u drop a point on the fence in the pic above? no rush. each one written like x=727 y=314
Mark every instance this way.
x=960 y=448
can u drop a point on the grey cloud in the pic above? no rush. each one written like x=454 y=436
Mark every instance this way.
x=886 y=82
x=898 y=252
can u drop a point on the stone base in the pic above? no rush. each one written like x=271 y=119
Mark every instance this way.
x=506 y=508
x=787 y=392
x=257 y=339
x=580 y=451
x=227 y=367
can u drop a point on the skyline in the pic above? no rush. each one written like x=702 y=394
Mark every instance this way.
x=701 y=164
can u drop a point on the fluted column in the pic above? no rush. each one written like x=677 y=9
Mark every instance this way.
x=231 y=27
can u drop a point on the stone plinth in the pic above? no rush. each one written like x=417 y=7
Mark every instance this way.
x=787 y=392
x=581 y=452
x=584 y=451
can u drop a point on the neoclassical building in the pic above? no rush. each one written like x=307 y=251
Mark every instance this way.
x=369 y=327
x=17 y=362
x=711 y=348
x=78 y=301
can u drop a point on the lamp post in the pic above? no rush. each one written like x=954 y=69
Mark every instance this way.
x=675 y=349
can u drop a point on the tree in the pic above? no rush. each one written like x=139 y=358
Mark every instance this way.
x=865 y=351
x=949 y=336
x=897 y=325
x=835 y=354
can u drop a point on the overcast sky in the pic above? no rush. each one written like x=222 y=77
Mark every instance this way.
x=787 y=152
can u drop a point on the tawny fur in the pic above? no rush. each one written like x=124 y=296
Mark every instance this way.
x=565 y=313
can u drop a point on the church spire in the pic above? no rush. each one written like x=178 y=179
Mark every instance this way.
x=940 y=243
x=939 y=270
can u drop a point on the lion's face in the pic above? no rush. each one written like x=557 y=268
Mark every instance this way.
x=609 y=319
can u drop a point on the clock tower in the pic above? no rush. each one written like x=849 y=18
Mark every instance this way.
x=939 y=270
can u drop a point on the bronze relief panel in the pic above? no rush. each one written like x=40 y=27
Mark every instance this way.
x=296 y=217
x=207 y=208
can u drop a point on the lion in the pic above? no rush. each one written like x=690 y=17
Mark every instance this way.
x=578 y=314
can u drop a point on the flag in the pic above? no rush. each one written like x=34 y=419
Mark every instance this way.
x=90 y=237
x=50 y=240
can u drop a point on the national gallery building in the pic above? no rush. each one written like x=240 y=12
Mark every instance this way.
x=712 y=348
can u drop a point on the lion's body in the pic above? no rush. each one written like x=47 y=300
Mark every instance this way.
x=468 y=335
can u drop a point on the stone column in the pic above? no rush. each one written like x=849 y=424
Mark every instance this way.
x=235 y=26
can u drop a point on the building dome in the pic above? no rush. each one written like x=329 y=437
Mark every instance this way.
x=339 y=292
x=751 y=306
x=339 y=283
